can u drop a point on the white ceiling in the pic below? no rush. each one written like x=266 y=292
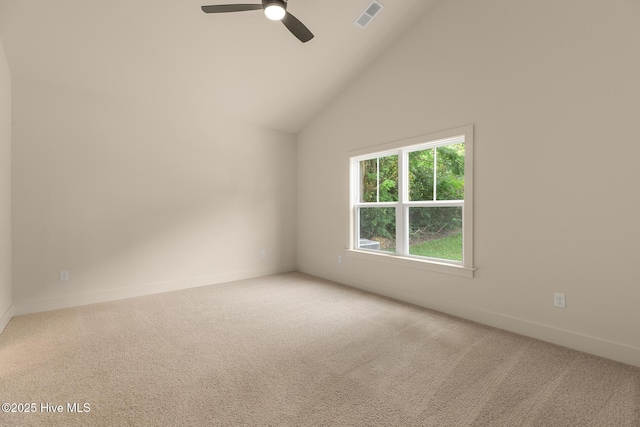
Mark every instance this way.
x=235 y=65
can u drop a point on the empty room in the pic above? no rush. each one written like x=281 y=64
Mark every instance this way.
x=372 y=213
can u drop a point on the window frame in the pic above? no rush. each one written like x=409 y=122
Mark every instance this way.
x=402 y=149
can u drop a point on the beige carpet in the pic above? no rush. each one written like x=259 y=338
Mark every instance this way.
x=293 y=350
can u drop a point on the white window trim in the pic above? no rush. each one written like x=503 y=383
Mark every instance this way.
x=464 y=268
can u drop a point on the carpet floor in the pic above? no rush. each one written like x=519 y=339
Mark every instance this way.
x=294 y=350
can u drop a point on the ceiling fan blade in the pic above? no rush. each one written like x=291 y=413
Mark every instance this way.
x=297 y=28
x=221 y=8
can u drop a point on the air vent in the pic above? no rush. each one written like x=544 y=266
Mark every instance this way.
x=370 y=12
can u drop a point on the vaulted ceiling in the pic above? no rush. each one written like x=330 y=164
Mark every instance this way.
x=236 y=65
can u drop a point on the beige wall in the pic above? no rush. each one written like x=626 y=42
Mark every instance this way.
x=5 y=191
x=140 y=195
x=552 y=89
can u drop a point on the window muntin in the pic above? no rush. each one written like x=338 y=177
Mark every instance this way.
x=428 y=215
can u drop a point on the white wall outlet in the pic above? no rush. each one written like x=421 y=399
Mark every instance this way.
x=339 y=259
x=559 y=300
x=64 y=275
x=263 y=254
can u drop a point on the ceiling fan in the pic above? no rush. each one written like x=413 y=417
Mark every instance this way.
x=276 y=10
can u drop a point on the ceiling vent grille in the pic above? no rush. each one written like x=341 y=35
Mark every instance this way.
x=370 y=12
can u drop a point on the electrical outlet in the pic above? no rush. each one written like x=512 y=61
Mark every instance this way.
x=339 y=259
x=64 y=275
x=559 y=300
x=263 y=254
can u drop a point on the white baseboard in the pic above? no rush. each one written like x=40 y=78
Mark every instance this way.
x=6 y=318
x=36 y=306
x=588 y=344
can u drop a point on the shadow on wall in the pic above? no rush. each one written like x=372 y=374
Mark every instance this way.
x=123 y=195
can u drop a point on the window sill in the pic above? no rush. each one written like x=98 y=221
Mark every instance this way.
x=402 y=261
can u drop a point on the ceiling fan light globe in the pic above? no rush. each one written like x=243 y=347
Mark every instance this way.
x=275 y=12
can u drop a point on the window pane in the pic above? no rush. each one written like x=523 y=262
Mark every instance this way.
x=450 y=172
x=369 y=180
x=379 y=179
x=389 y=179
x=436 y=232
x=377 y=229
x=421 y=175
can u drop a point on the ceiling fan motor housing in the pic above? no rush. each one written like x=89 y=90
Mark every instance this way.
x=274 y=9
x=281 y=3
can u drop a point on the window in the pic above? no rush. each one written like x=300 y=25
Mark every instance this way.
x=413 y=200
